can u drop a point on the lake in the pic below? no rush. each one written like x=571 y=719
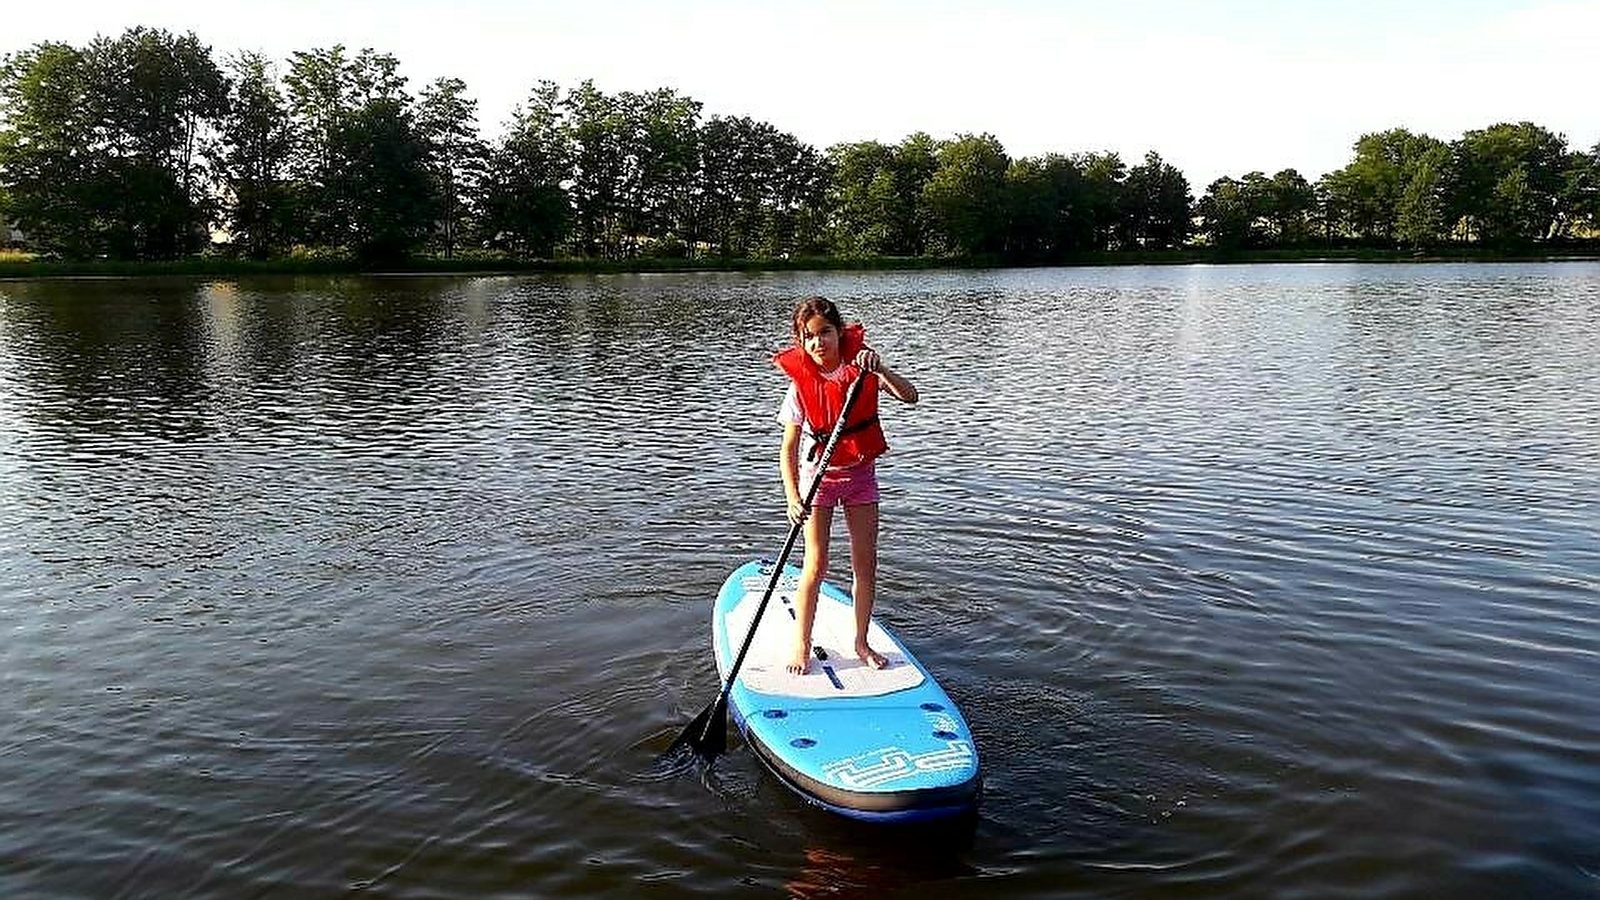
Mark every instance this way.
x=1253 y=582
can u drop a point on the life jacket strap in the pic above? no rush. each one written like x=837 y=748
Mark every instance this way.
x=819 y=439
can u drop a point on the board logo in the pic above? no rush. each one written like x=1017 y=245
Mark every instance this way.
x=890 y=764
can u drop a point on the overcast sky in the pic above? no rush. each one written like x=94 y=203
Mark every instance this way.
x=1218 y=88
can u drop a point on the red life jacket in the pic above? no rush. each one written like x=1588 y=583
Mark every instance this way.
x=821 y=398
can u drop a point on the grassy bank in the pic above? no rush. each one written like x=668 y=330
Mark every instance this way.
x=19 y=266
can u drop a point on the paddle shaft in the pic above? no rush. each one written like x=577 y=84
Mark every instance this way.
x=721 y=703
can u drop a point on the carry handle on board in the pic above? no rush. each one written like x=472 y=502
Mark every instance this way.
x=707 y=734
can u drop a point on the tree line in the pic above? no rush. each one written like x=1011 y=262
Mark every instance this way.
x=145 y=146
x=1507 y=185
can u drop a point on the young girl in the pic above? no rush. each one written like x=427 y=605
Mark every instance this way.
x=826 y=358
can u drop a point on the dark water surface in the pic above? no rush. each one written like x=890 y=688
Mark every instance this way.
x=1254 y=582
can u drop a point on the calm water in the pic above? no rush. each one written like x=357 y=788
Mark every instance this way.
x=1254 y=582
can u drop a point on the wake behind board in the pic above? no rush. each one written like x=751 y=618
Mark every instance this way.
x=881 y=745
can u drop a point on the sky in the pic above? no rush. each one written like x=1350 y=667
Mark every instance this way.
x=1217 y=88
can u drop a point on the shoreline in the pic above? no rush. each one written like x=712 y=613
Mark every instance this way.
x=224 y=267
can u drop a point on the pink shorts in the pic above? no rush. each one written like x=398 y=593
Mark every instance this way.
x=853 y=486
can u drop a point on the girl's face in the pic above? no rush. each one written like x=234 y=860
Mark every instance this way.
x=820 y=339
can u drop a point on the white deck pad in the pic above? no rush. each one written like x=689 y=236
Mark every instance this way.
x=840 y=675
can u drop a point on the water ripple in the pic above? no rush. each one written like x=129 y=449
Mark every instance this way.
x=1253 y=581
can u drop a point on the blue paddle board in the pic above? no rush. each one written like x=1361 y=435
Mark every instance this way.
x=882 y=745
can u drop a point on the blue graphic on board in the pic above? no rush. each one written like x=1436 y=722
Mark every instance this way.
x=875 y=744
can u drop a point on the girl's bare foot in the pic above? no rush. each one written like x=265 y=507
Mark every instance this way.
x=801 y=663
x=870 y=656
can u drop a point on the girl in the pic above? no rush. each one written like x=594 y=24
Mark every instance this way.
x=826 y=358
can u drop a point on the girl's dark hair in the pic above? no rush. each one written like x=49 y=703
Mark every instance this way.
x=811 y=307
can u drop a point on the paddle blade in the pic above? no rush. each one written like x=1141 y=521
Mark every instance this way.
x=707 y=735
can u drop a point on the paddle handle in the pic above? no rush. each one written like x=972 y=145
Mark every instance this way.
x=794 y=532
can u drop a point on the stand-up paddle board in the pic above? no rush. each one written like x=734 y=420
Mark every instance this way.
x=876 y=744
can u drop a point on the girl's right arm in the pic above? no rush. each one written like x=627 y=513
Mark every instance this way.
x=789 y=468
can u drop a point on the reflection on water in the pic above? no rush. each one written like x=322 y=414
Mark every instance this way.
x=1253 y=581
x=869 y=862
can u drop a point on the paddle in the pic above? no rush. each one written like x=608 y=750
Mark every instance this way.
x=707 y=734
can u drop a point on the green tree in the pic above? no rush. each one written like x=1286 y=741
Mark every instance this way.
x=1506 y=181
x=734 y=163
x=252 y=159
x=376 y=76
x=1104 y=180
x=911 y=167
x=1050 y=212
x=523 y=206
x=167 y=96
x=1289 y=204
x=758 y=190
x=1421 y=212
x=1580 y=192
x=100 y=147
x=659 y=144
x=1364 y=196
x=446 y=122
x=1233 y=210
x=46 y=139
x=1516 y=211
x=1029 y=211
x=321 y=98
x=1156 y=204
x=861 y=196
x=966 y=195
x=384 y=182
x=362 y=165
x=713 y=200
x=799 y=198
x=877 y=197
x=596 y=129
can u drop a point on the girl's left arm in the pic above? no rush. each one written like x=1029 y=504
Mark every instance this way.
x=898 y=386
